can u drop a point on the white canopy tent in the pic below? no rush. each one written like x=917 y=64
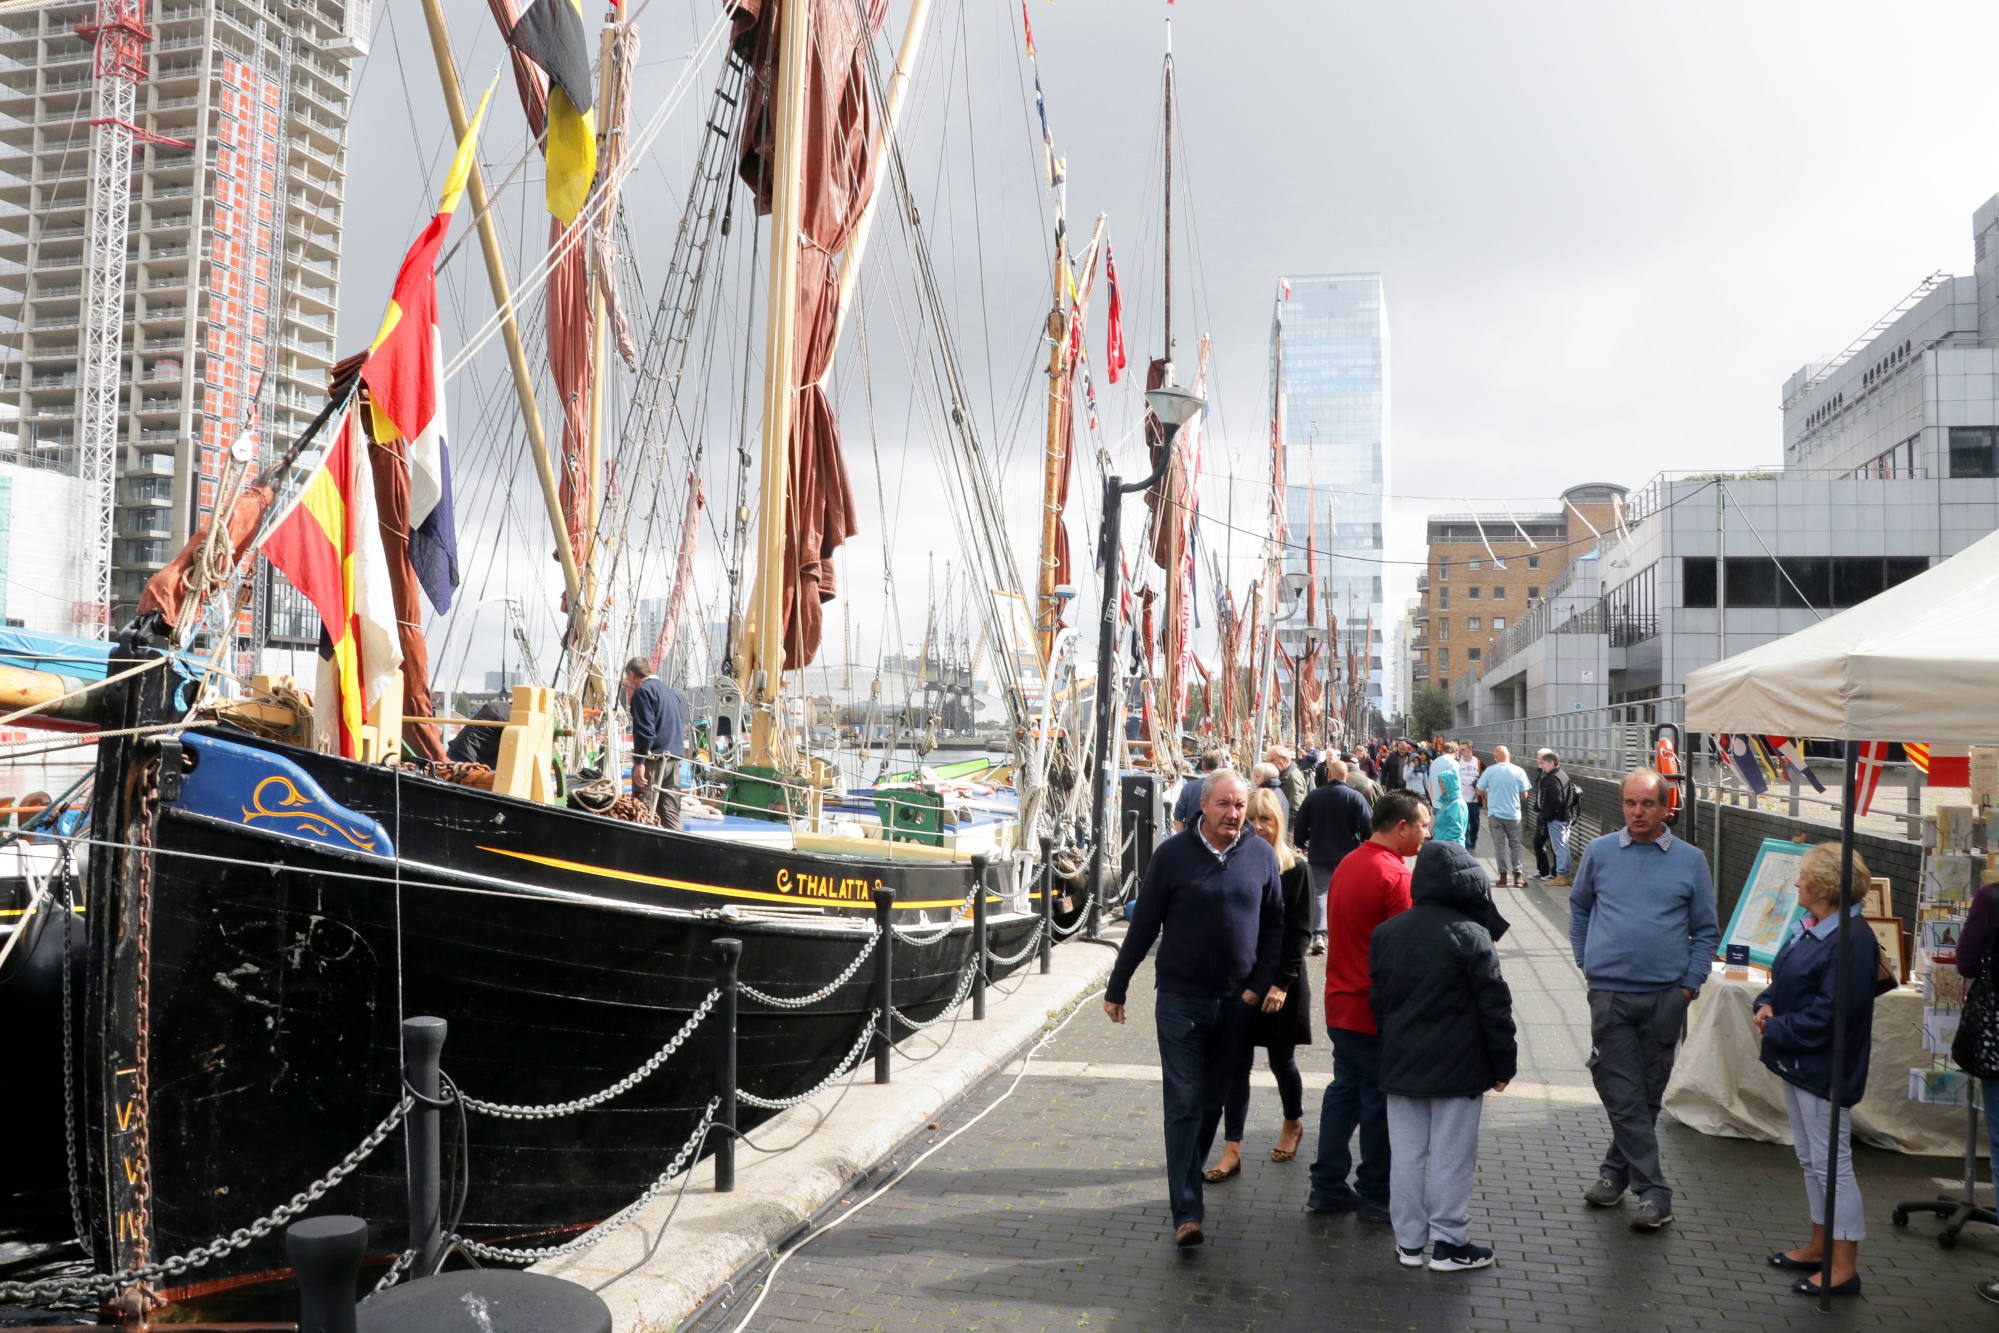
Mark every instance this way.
x=1920 y=662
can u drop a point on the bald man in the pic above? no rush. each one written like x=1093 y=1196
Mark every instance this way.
x=1502 y=784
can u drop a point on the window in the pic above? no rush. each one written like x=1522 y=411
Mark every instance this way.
x=1474 y=624
x=1473 y=592
x=1533 y=562
x=1443 y=630
x=1443 y=599
x=1630 y=610
x=1471 y=654
x=1533 y=592
x=1443 y=571
x=1973 y=451
x=1499 y=622
x=1823 y=582
x=1498 y=594
x=1474 y=564
x=1443 y=660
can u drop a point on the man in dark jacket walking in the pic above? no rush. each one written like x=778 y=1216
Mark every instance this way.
x=1334 y=820
x=659 y=734
x=1447 y=1038
x=1214 y=900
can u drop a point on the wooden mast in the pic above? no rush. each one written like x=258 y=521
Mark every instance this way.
x=1169 y=720
x=1055 y=455
x=496 y=277
x=762 y=653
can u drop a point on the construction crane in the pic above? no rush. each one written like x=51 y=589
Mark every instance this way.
x=120 y=36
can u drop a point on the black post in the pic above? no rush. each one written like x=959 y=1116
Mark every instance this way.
x=423 y=1146
x=326 y=1253
x=884 y=983
x=979 y=937
x=1840 y=946
x=1047 y=904
x=728 y=953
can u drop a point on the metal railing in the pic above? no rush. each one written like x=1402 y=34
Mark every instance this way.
x=1610 y=741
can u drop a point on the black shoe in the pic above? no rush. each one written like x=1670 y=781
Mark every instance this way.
x=1650 y=1215
x=1331 y=1203
x=1787 y=1263
x=1459 y=1258
x=1990 y=1291
x=1371 y=1212
x=1804 y=1286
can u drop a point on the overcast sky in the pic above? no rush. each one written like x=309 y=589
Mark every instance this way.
x=1607 y=232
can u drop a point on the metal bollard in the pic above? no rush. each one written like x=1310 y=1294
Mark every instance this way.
x=1047 y=904
x=728 y=954
x=423 y=1147
x=325 y=1255
x=979 y=937
x=884 y=983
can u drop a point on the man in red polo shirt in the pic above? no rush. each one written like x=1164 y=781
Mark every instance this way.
x=1370 y=886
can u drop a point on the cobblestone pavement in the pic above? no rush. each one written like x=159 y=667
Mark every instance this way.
x=1051 y=1213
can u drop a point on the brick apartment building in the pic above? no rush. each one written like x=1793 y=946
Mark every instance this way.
x=1484 y=571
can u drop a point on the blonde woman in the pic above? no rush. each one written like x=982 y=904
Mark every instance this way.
x=1795 y=1017
x=1284 y=1022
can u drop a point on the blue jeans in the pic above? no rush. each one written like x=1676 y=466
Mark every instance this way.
x=1353 y=1101
x=1199 y=1051
x=1558 y=839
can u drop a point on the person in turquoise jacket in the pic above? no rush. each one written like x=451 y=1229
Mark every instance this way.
x=1447 y=793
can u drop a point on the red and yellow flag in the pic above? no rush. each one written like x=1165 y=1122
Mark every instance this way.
x=329 y=544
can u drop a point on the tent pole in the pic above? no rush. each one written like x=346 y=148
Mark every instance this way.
x=1841 y=946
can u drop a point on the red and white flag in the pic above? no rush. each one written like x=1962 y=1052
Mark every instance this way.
x=1942 y=765
x=1284 y=288
x=1114 y=358
x=1873 y=755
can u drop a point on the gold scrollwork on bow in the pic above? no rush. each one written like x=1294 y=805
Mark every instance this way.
x=290 y=800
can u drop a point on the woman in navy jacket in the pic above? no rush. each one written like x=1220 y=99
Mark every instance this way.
x=1795 y=1017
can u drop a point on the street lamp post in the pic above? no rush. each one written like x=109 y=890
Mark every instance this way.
x=1174 y=407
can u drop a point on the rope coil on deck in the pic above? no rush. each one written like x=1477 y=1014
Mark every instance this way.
x=846 y=1067
x=803 y=1001
x=106 y=1284
x=555 y=1110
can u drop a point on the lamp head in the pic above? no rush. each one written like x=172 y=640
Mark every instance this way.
x=1174 y=406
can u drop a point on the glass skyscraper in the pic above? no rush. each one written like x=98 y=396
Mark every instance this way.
x=1329 y=370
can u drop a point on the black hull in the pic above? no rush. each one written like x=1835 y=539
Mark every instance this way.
x=276 y=970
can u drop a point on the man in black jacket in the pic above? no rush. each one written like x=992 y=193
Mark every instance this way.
x=1214 y=900
x=659 y=734
x=1334 y=820
x=1447 y=1038
x=1558 y=801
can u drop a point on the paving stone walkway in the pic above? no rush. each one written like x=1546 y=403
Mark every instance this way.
x=1050 y=1213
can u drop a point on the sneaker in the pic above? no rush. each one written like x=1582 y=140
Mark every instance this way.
x=1989 y=1290
x=1413 y=1258
x=1650 y=1215
x=1318 y=943
x=1606 y=1193
x=1459 y=1258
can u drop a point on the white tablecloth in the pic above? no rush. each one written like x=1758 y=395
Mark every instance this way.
x=1720 y=1086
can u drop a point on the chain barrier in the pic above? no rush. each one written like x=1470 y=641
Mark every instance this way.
x=1033 y=943
x=1082 y=918
x=674 y=1169
x=555 y=1110
x=950 y=922
x=847 y=1065
x=395 y=1273
x=105 y=1284
x=964 y=989
x=803 y=1001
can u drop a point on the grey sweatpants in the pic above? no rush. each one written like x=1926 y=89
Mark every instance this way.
x=1506 y=846
x=1432 y=1164
x=1633 y=1035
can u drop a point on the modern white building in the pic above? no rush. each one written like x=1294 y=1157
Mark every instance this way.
x=234 y=254
x=1890 y=464
x=1329 y=371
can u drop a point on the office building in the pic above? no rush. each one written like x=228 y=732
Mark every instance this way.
x=1890 y=464
x=233 y=256
x=1329 y=372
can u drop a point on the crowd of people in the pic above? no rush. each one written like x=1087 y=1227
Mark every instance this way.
x=1365 y=858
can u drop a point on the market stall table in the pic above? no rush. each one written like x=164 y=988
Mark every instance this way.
x=1720 y=1087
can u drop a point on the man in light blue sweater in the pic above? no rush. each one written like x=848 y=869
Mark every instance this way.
x=1642 y=923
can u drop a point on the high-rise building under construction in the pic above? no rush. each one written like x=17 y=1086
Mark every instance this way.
x=232 y=247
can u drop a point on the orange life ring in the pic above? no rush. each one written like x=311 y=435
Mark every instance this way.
x=1667 y=760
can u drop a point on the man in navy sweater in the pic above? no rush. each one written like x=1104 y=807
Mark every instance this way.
x=1642 y=924
x=1212 y=900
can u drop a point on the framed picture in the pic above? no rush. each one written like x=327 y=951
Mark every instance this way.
x=1768 y=905
x=1880 y=898
x=1888 y=931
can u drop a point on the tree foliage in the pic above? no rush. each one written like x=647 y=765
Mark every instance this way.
x=1430 y=712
